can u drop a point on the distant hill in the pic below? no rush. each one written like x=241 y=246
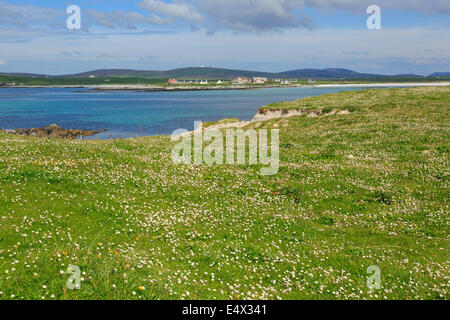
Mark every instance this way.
x=117 y=73
x=31 y=75
x=183 y=73
x=219 y=73
x=440 y=74
x=330 y=73
x=227 y=74
x=408 y=75
x=215 y=73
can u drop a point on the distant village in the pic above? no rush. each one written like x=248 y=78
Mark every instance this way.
x=238 y=81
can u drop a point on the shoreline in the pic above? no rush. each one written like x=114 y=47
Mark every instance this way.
x=396 y=84
x=258 y=117
x=154 y=88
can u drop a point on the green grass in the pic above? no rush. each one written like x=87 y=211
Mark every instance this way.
x=29 y=81
x=366 y=188
x=222 y=121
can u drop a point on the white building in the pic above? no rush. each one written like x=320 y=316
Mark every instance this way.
x=241 y=80
x=259 y=80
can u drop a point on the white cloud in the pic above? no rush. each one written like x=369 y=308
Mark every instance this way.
x=2 y=62
x=401 y=51
x=268 y=15
x=121 y=19
x=253 y=16
x=423 y=6
x=28 y=15
x=178 y=10
x=235 y=15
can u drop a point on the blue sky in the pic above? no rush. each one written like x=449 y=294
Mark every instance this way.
x=266 y=35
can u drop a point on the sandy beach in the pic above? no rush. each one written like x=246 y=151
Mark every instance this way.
x=372 y=85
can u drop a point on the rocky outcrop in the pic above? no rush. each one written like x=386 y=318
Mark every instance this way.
x=53 y=131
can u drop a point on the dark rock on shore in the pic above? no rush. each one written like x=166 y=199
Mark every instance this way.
x=53 y=131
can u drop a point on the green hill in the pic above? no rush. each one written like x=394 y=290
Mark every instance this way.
x=226 y=74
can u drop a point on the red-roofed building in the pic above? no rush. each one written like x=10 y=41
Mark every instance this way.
x=241 y=80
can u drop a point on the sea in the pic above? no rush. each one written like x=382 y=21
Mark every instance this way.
x=125 y=114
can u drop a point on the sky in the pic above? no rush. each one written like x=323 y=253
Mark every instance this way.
x=263 y=35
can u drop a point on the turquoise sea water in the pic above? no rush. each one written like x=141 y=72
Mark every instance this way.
x=130 y=114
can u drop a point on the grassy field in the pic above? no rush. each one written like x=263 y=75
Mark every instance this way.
x=41 y=81
x=354 y=190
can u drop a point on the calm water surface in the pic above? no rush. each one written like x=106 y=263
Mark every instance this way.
x=130 y=114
